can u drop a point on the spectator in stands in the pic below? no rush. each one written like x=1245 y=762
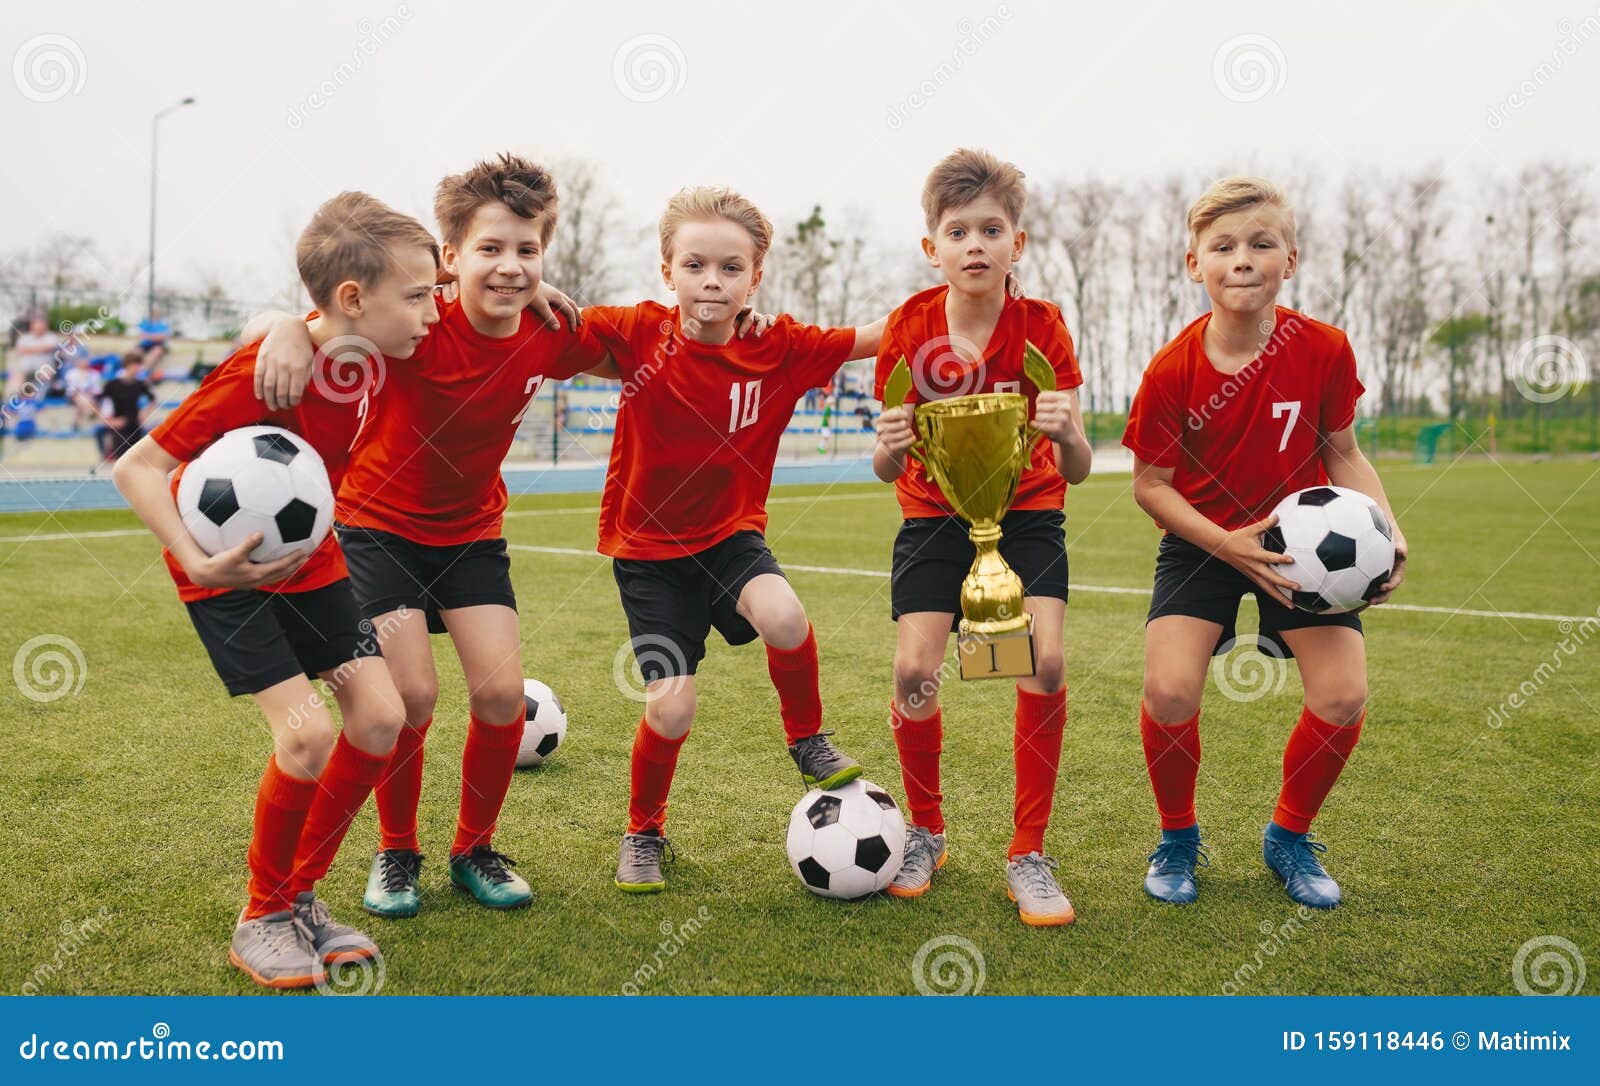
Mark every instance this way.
x=129 y=399
x=154 y=332
x=84 y=387
x=35 y=351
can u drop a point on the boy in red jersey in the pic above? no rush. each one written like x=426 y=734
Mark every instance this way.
x=421 y=508
x=269 y=626
x=969 y=336
x=684 y=509
x=1249 y=404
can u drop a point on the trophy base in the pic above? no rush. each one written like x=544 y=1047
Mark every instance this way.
x=996 y=656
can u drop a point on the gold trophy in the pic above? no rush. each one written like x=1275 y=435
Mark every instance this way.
x=976 y=448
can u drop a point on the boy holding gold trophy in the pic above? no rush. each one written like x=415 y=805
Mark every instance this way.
x=982 y=549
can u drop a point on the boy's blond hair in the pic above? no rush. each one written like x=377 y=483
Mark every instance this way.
x=1229 y=194
x=524 y=186
x=715 y=202
x=350 y=238
x=964 y=175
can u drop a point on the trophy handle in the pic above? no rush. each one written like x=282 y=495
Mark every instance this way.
x=1037 y=368
x=894 y=395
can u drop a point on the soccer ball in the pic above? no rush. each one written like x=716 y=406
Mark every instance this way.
x=544 y=727
x=848 y=842
x=1342 y=546
x=257 y=479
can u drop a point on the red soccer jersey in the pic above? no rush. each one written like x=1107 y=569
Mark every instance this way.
x=919 y=333
x=698 y=425
x=1240 y=443
x=426 y=464
x=225 y=401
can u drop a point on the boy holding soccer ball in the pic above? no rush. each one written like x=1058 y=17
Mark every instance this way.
x=970 y=336
x=1249 y=404
x=269 y=627
x=421 y=509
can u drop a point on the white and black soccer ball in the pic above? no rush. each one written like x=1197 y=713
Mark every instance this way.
x=848 y=842
x=1342 y=546
x=544 y=727
x=257 y=479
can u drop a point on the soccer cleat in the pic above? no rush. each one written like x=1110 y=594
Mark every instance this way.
x=486 y=875
x=639 y=862
x=276 y=951
x=392 y=884
x=332 y=941
x=1031 y=883
x=924 y=854
x=1171 y=875
x=821 y=764
x=1293 y=858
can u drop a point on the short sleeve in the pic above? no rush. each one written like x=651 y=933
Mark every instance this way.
x=225 y=400
x=611 y=328
x=1341 y=390
x=1056 y=343
x=581 y=350
x=1155 y=420
x=889 y=353
x=814 y=353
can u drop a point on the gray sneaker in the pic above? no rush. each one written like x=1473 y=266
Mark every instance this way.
x=333 y=941
x=821 y=764
x=276 y=951
x=1031 y=883
x=639 y=862
x=924 y=854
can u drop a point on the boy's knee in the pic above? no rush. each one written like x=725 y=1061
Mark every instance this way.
x=1169 y=702
x=418 y=696
x=499 y=700
x=303 y=750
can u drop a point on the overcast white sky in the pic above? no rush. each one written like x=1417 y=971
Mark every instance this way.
x=843 y=104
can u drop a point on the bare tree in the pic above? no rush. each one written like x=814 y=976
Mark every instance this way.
x=579 y=261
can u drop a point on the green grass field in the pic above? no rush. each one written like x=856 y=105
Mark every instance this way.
x=126 y=805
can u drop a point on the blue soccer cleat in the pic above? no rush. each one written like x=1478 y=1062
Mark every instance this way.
x=1171 y=875
x=1293 y=858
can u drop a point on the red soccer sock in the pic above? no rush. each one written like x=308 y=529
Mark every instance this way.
x=486 y=767
x=1172 y=754
x=655 y=759
x=399 y=789
x=794 y=673
x=1041 y=721
x=1312 y=761
x=341 y=790
x=281 y=805
x=919 y=743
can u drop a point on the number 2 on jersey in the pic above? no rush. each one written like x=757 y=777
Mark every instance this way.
x=530 y=390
